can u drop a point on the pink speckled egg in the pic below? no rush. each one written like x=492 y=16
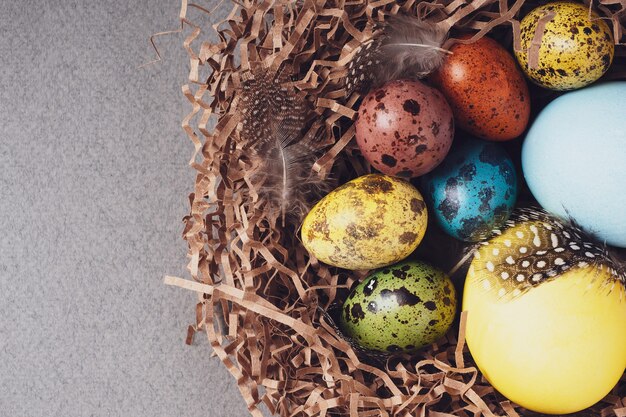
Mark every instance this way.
x=405 y=128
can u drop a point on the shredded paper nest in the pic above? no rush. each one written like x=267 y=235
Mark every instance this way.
x=262 y=300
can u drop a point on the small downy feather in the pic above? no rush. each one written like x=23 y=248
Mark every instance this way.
x=274 y=126
x=403 y=47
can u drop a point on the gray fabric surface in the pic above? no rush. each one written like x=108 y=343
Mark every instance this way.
x=93 y=186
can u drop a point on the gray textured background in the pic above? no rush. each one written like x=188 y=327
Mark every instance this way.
x=93 y=187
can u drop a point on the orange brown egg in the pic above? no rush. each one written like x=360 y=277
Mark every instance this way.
x=487 y=92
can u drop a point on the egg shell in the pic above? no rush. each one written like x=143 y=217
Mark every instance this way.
x=574 y=159
x=485 y=89
x=400 y=308
x=404 y=128
x=473 y=191
x=555 y=348
x=372 y=221
x=574 y=50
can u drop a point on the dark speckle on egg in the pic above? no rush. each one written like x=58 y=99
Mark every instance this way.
x=402 y=296
x=450 y=204
x=417 y=206
x=486 y=194
x=379 y=94
x=434 y=127
x=370 y=286
x=420 y=149
x=399 y=273
x=357 y=312
x=358 y=232
x=376 y=184
x=413 y=139
x=407 y=237
x=467 y=172
x=430 y=305
x=411 y=106
x=473 y=229
x=389 y=160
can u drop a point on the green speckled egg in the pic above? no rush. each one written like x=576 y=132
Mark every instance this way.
x=575 y=49
x=400 y=308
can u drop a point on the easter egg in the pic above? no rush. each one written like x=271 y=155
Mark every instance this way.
x=546 y=316
x=473 y=190
x=400 y=308
x=574 y=48
x=574 y=159
x=372 y=221
x=485 y=89
x=404 y=128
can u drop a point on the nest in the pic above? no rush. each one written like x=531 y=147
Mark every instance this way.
x=262 y=300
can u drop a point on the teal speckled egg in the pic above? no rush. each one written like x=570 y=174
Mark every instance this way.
x=400 y=308
x=473 y=191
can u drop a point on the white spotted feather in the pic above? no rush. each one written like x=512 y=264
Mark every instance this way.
x=544 y=249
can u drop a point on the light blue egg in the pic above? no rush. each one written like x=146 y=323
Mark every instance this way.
x=574 y=159
x=473 y=190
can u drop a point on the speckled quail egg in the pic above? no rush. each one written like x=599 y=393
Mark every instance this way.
x=400 y=308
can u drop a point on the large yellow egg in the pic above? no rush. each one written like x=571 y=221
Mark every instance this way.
x=372 y=221
x=555 y=348
x=575 y=48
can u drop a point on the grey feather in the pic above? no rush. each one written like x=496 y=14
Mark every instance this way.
x=275 y=130
x=403 y=47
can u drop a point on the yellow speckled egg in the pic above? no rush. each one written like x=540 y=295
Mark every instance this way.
x=575 y=50
x=370 y=222
x=546 y=314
